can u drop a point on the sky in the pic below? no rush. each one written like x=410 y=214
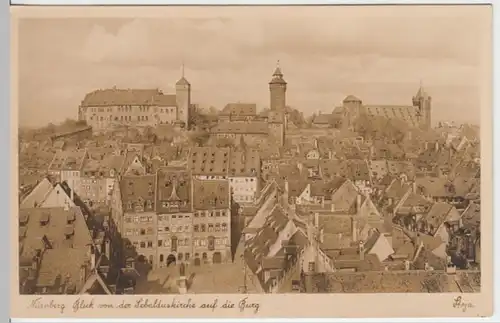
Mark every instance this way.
x=381 y=54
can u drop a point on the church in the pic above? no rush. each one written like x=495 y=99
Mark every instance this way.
x=105 y=108
x=417 y=115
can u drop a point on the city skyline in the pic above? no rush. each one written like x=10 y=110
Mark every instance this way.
x=381 y=55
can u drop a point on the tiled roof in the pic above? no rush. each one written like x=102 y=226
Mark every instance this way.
x=68 y=160
x=174 y=186
x=138 y=191
x=344 y=198
x=471 y=217
x=409 y=114
x=104 y=166
x=251 y=127
x=240 y=109
x=211 y=194
x=381 y=282
x=37 y=195
x=397 y=190
x=133 y=97
x=66 y=242
x=57 y=222
x=209 y=161
x=244 y=163
x=440 y=213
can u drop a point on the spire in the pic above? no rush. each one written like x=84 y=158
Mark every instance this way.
x=277 y=71
x=278 y=75
x=421 y=92
x=182 y=81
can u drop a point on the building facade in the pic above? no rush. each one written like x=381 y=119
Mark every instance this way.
x=102 y=109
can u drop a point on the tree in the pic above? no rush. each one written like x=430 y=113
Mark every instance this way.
x=199 y=137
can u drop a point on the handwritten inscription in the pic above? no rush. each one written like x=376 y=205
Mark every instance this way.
x=460 y=303
x=82 y=304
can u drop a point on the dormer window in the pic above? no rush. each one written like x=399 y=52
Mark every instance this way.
x=44 y=219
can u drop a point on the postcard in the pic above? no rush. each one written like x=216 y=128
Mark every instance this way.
x=252 y=161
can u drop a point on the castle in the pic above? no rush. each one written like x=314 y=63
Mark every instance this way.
x=239 y=122
x=106 y=108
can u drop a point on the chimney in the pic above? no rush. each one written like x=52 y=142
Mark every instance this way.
x=316 y=220
x=72 y=194
x=354 y=229
x=407 y=265
x=92 y=258
x=358 y=204
x=107 y=246
x=414 y=187
x=361 y=249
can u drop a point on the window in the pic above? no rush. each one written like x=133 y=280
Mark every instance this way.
x=224 y=227
x=202 y=228
x=143 y=232
x=143 y=244
x=196 y=228
x=160 y=243
x=150 y=244
x=210 y=227
x=179 y=257
x=187 y=256
x=217 y=227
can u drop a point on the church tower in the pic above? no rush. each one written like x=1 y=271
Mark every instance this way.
x=422 y=101
x=183 y=99
x=276 y=117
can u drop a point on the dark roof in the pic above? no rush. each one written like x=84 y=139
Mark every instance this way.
x=173 y=187
x=138 y=190
x=244 y=163
x=129 y=97
x=240 y=109
x=209 y=161
x=211 y=194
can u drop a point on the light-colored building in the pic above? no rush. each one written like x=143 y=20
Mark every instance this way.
x=98 y=179
x=244 y=175
x=66 y=166
x=102 y=109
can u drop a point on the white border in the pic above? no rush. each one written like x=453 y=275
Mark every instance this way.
x=4 y=96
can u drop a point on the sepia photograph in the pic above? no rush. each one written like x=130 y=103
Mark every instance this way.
x=246 y=151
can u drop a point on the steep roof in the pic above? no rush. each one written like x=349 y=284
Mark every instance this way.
x=211 y=194
x=128 y=97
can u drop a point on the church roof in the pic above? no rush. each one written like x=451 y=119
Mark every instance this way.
x=407 y=114
x=421 y=93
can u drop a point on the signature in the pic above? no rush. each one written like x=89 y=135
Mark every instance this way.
x=460 y=303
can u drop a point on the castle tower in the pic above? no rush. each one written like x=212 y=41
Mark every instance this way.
x=276 y=117
x=277 y=89
x=422 y=101
x=183 y=99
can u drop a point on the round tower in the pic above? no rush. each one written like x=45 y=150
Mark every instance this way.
x=277 y=88
x=183 y=99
